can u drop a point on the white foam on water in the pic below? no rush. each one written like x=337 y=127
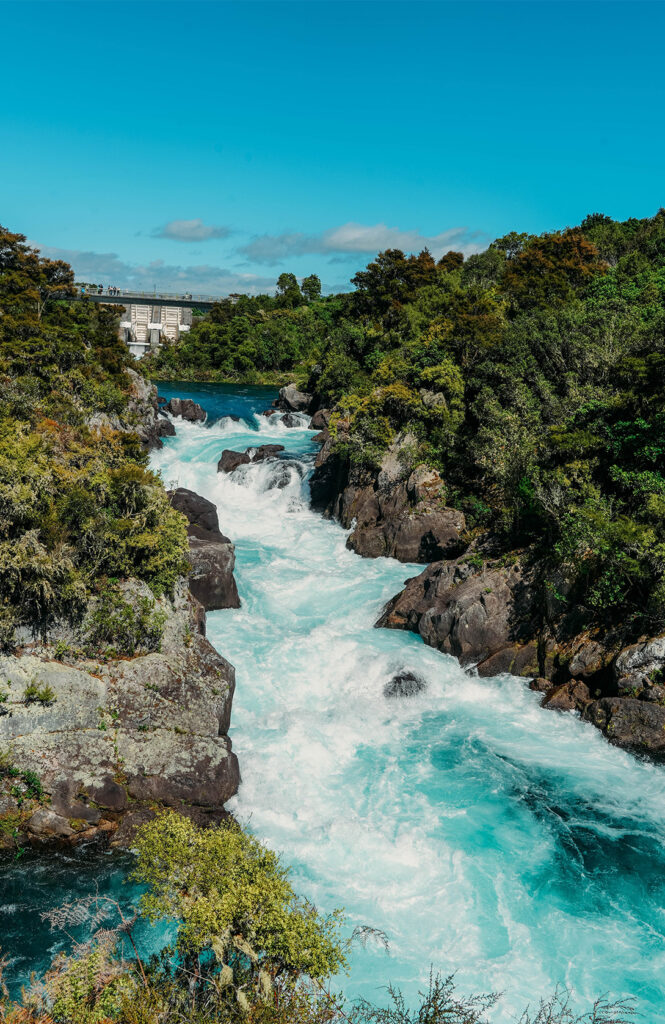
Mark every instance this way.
x=484 y=834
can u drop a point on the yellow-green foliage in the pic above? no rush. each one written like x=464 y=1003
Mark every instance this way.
x=231 y=894
x=89 y=989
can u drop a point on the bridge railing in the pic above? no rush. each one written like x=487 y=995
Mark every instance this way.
x=153 y=297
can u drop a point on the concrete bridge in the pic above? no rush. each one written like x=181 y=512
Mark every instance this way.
x=125 y=296
x=150 y=317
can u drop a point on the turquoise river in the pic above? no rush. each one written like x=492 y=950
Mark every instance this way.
x=483 y=834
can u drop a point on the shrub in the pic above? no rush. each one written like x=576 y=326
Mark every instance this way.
x=125 y=625
x=36 y=694
x=233 y=901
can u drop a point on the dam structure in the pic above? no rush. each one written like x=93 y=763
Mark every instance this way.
x=151 y=317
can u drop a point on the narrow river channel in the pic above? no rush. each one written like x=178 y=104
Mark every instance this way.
x=483 y=834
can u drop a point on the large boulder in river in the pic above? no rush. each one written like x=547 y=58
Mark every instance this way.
x=292 y=400
x=485 y=618
x=265 y=451
x=230 y=460
x=187 y=409
x=211 y=554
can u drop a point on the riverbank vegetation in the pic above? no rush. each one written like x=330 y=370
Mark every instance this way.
x=248 y=950
x=530 y=375
x=78 y=506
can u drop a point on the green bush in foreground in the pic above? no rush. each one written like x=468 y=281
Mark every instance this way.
x=248 y=951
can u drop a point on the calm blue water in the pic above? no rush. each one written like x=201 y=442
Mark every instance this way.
x=484 y=834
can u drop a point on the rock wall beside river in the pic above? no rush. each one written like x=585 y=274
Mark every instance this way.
x=396 y=510
x=90 y=742
x=109 y=740
x=494 y=617
x=142 y=415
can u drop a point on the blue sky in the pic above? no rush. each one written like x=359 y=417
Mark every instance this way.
x=210 y=146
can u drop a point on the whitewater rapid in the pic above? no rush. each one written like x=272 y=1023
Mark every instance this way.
x=483 y=834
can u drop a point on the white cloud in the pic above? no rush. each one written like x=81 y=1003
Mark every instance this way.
x=365 y=239
x=107 y=268
x=190 y=231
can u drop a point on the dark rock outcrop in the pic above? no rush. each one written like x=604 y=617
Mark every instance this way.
x=320 y=419
x=572 y=696
x=634 y=724
x=491 y=620
x=484 y=618
x=404 y=684
x=289 y=419
x=230 y=460
x=164 y=427
x=212 y=555
x=187 y=409
x=396 y=510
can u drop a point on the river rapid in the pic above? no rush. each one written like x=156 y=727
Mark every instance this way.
x=485 y=835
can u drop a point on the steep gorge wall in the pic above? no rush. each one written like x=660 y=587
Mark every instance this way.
x=493 y=614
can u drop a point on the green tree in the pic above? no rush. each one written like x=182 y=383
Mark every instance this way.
x=288 y=291
x=311 y=288
x=232 y=898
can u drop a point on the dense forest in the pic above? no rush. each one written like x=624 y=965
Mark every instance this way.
x=78 y=506
x=530 y=375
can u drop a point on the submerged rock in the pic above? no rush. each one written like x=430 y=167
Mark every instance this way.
x=212 y=555
x=404 y=684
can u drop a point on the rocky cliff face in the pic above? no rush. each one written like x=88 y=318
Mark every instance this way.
x=487 y=619
x=492 y=616
x=142 y=415
x=396 y=510
x=92 y=743
x=494 y=619
x=212 y=555
x=90 y=746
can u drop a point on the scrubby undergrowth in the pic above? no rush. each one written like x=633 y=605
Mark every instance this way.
x=78 y=505
x=248 y=951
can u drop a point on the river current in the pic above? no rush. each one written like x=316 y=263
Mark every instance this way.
x=484 y=835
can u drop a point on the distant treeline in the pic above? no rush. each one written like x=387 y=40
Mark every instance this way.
x=531 y=375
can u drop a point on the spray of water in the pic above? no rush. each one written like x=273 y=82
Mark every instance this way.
x=482 y=833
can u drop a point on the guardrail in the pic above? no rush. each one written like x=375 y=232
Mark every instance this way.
x=123 y=293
